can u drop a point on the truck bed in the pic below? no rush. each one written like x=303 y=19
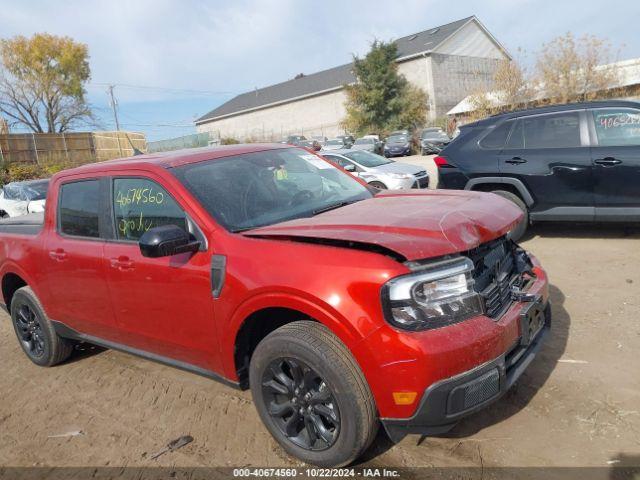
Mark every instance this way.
x=24 y=225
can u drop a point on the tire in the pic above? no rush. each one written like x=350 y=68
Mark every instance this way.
x=520 y=229
x=35 y=333
x=338 y=389
x=378 y=185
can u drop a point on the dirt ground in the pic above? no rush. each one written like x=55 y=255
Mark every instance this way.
x=577 y=405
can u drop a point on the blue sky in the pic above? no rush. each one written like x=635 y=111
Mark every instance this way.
x=172 y=61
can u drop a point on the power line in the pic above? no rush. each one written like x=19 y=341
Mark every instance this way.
x=161 y=89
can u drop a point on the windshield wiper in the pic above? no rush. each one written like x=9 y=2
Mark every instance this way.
x=330 y=207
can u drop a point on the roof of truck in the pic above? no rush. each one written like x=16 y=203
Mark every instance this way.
x=175 y=158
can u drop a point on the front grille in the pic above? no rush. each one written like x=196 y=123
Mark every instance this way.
x=421 y=183
x=495 y=275
x=474 y=392
x=421 y=173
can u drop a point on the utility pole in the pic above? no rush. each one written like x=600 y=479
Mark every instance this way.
x=114 y=106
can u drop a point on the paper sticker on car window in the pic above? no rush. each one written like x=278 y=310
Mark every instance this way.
x=316 y=162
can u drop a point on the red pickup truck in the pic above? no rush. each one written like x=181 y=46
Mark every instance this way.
x=265 y=267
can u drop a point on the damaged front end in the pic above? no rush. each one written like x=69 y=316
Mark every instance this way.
x=502 y=273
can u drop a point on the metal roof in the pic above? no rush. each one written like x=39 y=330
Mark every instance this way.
x=331 y=79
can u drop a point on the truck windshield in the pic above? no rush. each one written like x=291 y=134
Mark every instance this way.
x=262 y=188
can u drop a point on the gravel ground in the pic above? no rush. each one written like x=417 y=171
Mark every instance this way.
x=578 y=404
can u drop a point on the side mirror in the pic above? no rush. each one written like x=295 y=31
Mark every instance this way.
x=166 y=241
x=350 y=168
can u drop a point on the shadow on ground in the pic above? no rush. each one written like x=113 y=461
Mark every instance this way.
x=84 y=350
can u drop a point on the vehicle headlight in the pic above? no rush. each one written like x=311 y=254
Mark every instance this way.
x=400 y=176
x=439 y=295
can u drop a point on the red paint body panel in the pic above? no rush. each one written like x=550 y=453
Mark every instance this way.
x=415 y=224
x=165 y=306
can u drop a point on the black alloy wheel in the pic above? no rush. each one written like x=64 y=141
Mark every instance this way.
x=301 y=404
x=30 y=331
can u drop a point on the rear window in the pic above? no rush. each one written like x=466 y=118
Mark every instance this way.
x=617 y=126
x=79 y=206
x=496 y=139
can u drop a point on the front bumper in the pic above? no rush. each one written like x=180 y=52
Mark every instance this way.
x=444 y=403
x=405 y=183
x=396 y=151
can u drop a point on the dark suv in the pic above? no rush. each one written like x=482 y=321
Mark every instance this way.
x=574 y=162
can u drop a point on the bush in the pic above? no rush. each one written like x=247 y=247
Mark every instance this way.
x=18 y=172
x=53 y=168
x=229 y=141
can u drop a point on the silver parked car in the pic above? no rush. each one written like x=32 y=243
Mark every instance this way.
x=378 y=171
x=369 y=144
x=335 y=144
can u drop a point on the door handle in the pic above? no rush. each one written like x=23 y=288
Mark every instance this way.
x=516 y=161
x=608 y=161
x=121 y=263
x=58 y=255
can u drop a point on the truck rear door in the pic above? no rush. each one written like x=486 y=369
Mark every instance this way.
x=616 y=162
x=73 y=272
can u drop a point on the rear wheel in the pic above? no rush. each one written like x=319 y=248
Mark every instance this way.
x=519 y=230
x=311 y=395
x=379 y=185
x=36 y=335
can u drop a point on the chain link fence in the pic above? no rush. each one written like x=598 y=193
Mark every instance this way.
x=187 y=141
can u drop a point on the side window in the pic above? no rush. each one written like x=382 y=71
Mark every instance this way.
x=617 y=126
x=140 y=204
x=516 y=139
x=496 y=139
x=557 y=130
x=78 y=209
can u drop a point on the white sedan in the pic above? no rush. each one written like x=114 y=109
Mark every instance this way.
x=21 y=198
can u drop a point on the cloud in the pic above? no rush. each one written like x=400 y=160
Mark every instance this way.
x=218 y=46
x=235 y=46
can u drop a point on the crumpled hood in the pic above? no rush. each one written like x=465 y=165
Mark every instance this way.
x=414 y=224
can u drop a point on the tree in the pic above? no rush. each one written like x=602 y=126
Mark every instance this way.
x=382 y=100
x=571 y=70
x=510 y=87
x=42 y=82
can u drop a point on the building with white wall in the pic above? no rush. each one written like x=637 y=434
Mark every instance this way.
x=448 y=62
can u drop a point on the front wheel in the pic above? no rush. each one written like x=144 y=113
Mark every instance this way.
x=378 y=185
x=312 y=396
x=520 y=229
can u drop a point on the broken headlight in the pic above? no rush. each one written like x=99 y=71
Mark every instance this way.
x=436 y=296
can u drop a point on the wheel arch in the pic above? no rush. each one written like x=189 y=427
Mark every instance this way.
x=11 y=283
x=513 y=185
x=260 y=316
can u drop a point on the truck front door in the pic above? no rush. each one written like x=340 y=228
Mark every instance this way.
x=162 y=305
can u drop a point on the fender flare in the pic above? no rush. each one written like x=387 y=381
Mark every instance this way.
x=13 y=268
x=514 y=182
x=323 y=313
